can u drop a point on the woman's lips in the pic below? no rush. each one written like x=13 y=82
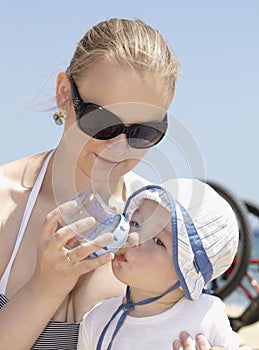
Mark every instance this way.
x=106 y=162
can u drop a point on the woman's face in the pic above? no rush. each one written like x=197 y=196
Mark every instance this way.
x=133 y=99
x=148 y=266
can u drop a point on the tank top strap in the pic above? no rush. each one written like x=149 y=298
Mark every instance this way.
x=26 y=216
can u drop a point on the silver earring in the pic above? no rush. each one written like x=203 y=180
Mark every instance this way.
x=60 y=116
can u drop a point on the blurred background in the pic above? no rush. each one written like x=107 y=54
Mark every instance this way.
x=215 y=113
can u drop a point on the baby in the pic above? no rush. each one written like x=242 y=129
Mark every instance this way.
x=188 y=236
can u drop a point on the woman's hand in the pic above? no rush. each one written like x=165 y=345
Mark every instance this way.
x=187 y=343
x=59 y=268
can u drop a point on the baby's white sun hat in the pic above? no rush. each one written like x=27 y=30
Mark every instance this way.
x=204 y=230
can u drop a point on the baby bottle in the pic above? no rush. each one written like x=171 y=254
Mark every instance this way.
x=107 y=220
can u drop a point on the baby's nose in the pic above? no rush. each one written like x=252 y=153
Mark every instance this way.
x=132 y=240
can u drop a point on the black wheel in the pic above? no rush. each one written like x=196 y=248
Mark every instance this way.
x=227 y=283
x=249 y=316
x=252 y=208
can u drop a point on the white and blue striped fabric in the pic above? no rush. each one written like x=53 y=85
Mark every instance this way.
x=55 y=336
x=204 y=230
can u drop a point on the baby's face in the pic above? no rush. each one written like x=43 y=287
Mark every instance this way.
x=151 y=221
x=149 y=265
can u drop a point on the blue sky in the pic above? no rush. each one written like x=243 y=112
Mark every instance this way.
x=215 y=114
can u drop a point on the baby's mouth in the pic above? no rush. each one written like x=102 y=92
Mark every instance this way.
x=120 y=255
x=121 y=251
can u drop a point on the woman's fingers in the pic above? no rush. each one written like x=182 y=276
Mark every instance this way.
x=63 y=235
x=62 y=267
x=88 y=265
x=184 y=343
x=76 y=261
x=61 y=260
x=177 y=345
x=53 y=218
x=202 y=342
x=80 y=252
x=187 y=343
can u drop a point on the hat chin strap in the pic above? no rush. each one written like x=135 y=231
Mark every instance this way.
x=126 y=308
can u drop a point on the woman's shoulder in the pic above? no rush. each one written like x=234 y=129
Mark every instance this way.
x=21 y=173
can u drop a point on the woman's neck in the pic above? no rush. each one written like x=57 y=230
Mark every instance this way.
x=63 y=181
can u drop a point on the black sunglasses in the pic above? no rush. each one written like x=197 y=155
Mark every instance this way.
x=99 y=123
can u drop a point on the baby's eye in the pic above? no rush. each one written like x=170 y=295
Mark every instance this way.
x=158 y=241
x=134 y=224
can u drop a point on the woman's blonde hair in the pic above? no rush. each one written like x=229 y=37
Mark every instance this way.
x=127 y=42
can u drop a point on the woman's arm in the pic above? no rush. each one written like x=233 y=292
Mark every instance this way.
x=24 y=317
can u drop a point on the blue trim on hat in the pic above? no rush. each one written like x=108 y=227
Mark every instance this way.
x=175 y=248
x=134 y=194
x=201 y=261
x=171 y=203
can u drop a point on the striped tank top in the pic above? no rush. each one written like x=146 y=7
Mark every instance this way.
x=56 y=335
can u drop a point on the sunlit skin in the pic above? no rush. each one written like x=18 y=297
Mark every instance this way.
x=101 y=164
x=105 y=85
x=148 y=268
x=42 y=285
x=132 y=98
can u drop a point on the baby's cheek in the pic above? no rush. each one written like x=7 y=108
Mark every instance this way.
x=132 y=255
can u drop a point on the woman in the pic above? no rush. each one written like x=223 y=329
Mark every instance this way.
x=128 y=67
x=46 y=282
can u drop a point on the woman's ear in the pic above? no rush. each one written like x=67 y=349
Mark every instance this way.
x=62 y=90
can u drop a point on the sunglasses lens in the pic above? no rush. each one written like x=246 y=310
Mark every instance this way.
x=108 y=132
x=145 y=136
x=101 y=124
x=97 y=122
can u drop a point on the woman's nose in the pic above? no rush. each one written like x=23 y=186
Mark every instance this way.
x=119 y=142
